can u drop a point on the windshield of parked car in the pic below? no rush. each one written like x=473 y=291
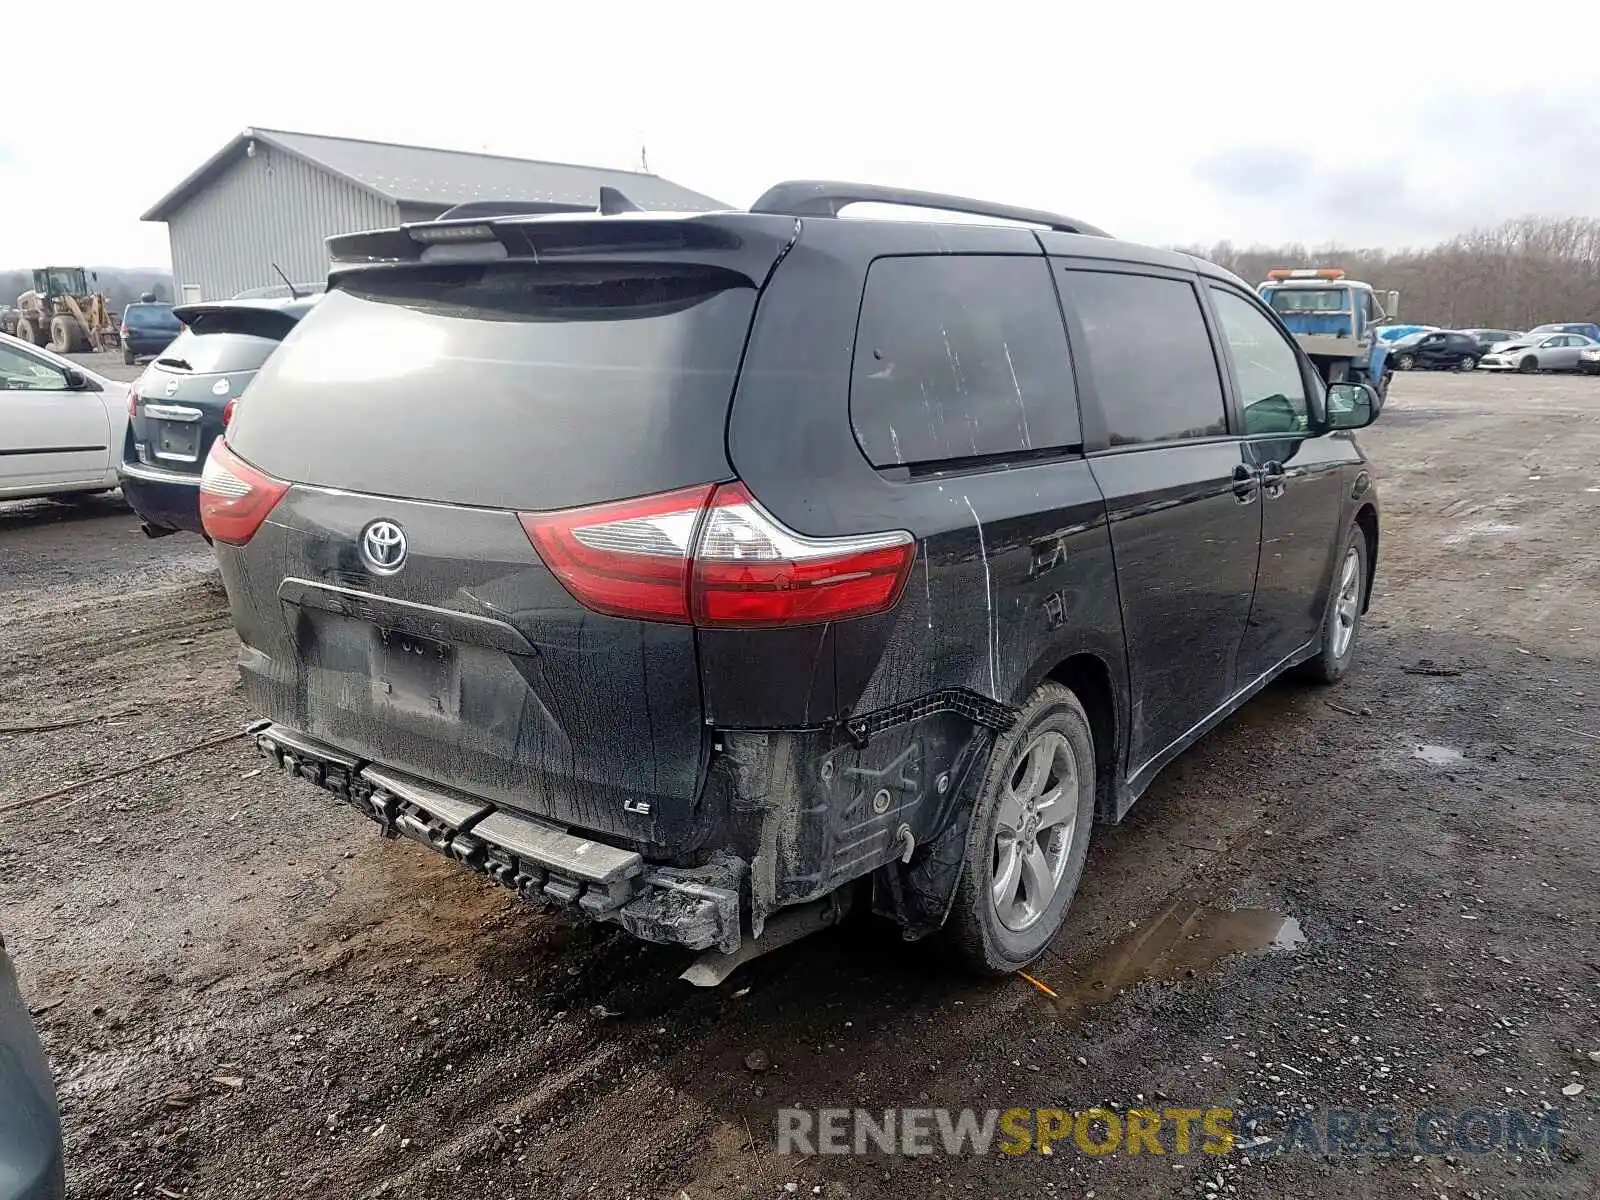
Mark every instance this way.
x=1310 y=300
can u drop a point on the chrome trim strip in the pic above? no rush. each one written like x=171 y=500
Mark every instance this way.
x=171 y=412
x=157 y=474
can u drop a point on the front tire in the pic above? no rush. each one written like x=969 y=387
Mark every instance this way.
x=1528 y=365
x=1029 y=835
x=63 y=335
x=1405 y=362
x=1341 y=627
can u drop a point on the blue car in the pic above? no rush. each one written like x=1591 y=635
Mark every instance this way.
x=185 y=399
x=30 y=1125
x=147 y=329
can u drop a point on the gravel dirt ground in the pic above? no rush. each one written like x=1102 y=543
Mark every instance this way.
x=245 y=992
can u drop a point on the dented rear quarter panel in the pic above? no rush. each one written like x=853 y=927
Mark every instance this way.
x=1014 y=576
x=1014 y=572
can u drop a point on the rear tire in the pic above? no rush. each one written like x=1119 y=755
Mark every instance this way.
x=127 y=357
x=1341 y=625
x=1467 y=364
x=1029 y=836
x=1528 y=365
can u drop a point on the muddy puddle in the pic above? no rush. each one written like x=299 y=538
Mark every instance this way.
x=1186 y=939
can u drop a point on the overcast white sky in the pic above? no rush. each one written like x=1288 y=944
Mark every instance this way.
x=1162 y=123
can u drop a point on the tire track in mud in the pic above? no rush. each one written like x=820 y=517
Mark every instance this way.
x=24 y=651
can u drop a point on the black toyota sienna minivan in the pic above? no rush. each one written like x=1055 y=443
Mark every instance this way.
x=704 y=572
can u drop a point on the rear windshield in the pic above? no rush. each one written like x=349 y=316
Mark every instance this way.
x=507 y=385
x=215 y=353
x=1310 y=300
x=140 y=315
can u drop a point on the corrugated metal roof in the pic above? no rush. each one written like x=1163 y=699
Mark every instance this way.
x=426 y=175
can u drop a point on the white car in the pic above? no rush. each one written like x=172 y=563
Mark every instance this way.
x=1551 y=352
x=61 y=425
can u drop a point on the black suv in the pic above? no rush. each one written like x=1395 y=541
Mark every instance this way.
x=686 y=570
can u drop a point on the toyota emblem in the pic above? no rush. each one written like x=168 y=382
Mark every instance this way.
x=172 y=387
x=383 y=547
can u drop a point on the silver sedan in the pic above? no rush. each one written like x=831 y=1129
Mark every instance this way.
x=1553 y=352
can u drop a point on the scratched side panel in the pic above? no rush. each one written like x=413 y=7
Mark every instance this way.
x=1015 y=569
x=790 y=439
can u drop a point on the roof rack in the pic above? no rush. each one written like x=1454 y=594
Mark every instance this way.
x=825 y=198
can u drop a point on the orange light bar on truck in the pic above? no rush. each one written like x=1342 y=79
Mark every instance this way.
x=1305 y=273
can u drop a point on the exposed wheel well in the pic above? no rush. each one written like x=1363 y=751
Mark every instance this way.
x=1367 y=522
x=1090 y=681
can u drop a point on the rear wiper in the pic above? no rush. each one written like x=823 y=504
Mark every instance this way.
x=181 y=363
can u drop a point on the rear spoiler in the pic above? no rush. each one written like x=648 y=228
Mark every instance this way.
x=742 y=242
x=243 y=316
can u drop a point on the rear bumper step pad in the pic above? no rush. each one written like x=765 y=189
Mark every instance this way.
x=541 y=862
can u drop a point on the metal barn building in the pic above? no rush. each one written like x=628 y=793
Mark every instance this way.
x=270 y=197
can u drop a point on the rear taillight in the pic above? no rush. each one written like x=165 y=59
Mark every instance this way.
x=133 y=402
x=752 y=571
x=628 y=559
x=235 y=497
x=714 y=557
x=227 y=412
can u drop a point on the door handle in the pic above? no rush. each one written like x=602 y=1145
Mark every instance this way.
x=1246 y=483
x=1272 y=477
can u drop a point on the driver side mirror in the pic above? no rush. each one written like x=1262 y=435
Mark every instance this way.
x=1353 y=405
x=76 y=379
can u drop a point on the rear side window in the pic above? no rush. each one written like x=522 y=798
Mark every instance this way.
x=508 y=385
x=1147 y=348
x=216 y=353
x=960 y=357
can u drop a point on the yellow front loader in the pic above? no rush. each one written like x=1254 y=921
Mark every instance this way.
x=61 y=312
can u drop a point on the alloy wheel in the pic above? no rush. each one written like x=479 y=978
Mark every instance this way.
x=1034 y=830
x=1347 y=604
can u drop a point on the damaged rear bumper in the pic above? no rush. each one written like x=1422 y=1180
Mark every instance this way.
x=542 y=862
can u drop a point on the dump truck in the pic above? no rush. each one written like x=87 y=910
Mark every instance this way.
x=60 y=311
x=1335 y=320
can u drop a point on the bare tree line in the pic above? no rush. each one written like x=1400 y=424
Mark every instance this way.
x=1514 y=276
